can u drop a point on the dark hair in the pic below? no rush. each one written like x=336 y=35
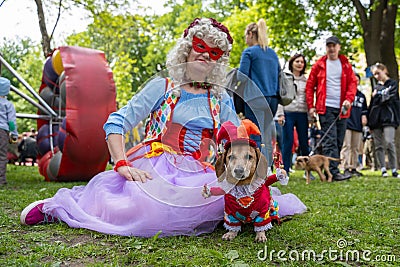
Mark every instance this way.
x=293 y=58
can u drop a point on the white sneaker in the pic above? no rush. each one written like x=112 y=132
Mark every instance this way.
x=291 y=170
x=385 y=174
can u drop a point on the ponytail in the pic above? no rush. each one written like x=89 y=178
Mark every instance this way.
x=259 y=30
x=262 y=34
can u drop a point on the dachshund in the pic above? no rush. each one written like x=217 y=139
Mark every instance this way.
x=242 y=176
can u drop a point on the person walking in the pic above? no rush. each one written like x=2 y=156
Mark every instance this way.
x=260 y=63
x=296 y=113
x=331 y=88
x=354 y=132
x=384 y=118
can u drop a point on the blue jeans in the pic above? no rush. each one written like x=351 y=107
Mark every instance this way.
x=300 y=121
x=333 y=141
x=279 y=136
x=256 y=111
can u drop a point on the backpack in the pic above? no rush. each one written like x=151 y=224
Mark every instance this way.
x=287 y=88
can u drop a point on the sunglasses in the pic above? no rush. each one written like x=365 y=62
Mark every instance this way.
x=200 y=47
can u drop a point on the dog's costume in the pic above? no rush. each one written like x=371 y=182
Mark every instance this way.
x=246 y=203
x=249 y=203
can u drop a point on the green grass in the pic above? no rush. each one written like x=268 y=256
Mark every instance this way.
x=363 y=214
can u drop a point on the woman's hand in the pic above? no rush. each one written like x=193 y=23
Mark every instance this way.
x=116 y=147
x=133 y=174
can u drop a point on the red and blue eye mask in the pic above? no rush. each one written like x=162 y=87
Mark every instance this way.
x=200 y=46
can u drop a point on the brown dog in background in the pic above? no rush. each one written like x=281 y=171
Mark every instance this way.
x=315 y=163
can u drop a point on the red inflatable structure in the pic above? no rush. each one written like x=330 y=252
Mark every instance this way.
x=78 y=85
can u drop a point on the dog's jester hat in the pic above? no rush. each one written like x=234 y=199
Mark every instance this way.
x=230 y=133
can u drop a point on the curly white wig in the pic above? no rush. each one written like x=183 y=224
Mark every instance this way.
x=177 y=57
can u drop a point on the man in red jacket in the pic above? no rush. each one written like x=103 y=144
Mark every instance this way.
x=334 y=85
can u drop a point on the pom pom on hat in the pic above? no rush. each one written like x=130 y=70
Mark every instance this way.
x=241 y=134
x=4 y=86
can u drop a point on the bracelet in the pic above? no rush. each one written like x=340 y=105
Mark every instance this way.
x=121 y=163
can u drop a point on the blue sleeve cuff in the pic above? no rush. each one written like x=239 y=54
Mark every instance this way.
x=113 y=129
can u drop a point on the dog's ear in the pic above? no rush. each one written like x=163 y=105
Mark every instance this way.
x=306 y=159
x=262 y=165
x=220 y=166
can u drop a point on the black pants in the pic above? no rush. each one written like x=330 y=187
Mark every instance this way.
x=333 y=141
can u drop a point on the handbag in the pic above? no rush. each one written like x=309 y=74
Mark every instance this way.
x=287 y=88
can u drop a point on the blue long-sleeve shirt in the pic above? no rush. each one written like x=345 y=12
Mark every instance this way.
x=192 y=110
x=262 y=67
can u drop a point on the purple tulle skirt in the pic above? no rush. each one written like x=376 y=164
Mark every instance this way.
x=169 y=204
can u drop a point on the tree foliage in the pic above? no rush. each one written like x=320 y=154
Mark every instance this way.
x=124 y=40
x=372 y=21
x=136 y=45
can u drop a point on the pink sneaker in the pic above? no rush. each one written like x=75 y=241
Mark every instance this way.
x=33 y=214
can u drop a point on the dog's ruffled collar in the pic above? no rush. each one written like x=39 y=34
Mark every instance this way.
x=240 y=191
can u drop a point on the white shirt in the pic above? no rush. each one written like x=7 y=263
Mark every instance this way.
x=333 y=82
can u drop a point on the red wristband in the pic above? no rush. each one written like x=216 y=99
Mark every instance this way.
x=121 y=163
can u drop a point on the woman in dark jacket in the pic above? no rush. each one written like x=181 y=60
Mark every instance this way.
x=384 y=117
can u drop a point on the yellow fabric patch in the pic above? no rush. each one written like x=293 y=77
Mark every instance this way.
x=157 y=149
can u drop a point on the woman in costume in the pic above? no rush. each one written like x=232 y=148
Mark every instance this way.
x=156 y=186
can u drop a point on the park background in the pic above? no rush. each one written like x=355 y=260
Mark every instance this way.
x=137 y=35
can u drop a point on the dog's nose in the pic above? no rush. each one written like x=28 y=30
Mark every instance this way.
x=239 y=171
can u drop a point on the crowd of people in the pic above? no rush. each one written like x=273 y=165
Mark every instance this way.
x=25 y=150
x=156 y=181
x=330 y=116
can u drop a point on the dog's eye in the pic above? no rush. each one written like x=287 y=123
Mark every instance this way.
x=249 y=157
x=231 y=157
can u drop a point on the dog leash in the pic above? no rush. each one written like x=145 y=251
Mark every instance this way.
x=343 y=111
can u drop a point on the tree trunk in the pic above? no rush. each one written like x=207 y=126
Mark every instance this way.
x=378 y=35
x=387 y=41
x=42 y=25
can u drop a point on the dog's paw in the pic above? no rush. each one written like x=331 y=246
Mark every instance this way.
x=261 y=237
x=229 y=235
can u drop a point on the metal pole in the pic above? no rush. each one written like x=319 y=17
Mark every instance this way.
x=27 y=86
x=33 y=116
x=29 y=99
